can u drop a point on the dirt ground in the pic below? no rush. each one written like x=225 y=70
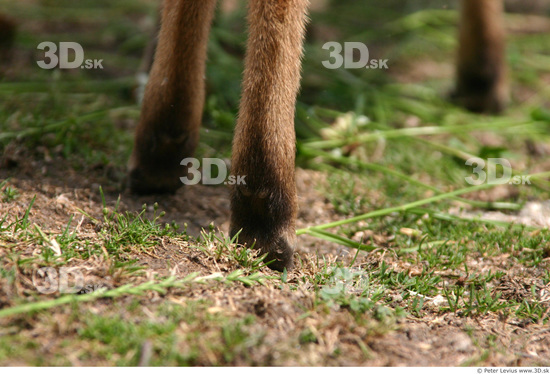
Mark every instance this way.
x=431 y=340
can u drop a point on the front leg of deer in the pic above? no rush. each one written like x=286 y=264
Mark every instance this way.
x=172 y=107
x=263 y=205
x=481 y=69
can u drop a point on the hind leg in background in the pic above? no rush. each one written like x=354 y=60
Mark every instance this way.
x=172 y=107
x=481 y=69
x=264 y=144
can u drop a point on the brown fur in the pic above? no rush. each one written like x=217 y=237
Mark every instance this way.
x=174 y=97
x=264 y=143
x=481 y=68
x=7 y=37
x=264 y=209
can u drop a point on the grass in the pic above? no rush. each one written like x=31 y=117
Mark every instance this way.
x=402 y=246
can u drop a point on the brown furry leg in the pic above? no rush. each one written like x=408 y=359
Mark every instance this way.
x=7 y=37
x=264 y=143
x=172 y=106
x=481 y=70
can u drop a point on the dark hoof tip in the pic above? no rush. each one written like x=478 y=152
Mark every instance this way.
x=280 y=250
x=142 y=183
x=478 y=103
